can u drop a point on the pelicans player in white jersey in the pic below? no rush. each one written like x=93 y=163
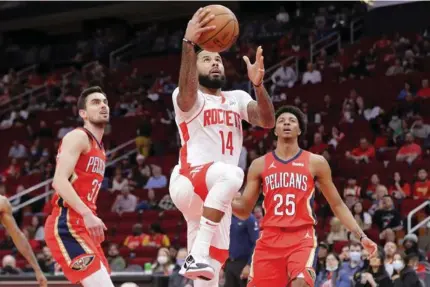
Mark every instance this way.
x=209 y=120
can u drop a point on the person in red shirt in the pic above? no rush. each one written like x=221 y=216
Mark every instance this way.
x=399 y=188
x=157 y=237
x=137 y=239
x=424 y=92
x=422 y=185
x=409 y=151
x=374 y=182
x=319 y=146
x=365 y=152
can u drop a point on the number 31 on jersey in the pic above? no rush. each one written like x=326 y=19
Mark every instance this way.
x=285 y=207
x=92 y=195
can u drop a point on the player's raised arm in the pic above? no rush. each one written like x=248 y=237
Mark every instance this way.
x=260 y=112
x=188 y=80
x=21 y=243
x=322 y=171
x=243 y=205
x=73 y=144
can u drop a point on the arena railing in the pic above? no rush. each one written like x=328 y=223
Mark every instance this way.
x=26 y=71
x=355 y=26
x=22 y=99
x=324 y=43
x=413 y=212
x=47 y=183
x=115 y=56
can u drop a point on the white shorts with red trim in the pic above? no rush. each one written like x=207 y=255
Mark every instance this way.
x=188 y=190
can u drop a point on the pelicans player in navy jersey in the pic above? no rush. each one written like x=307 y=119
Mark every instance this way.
x=73 y=232
x=285 y=252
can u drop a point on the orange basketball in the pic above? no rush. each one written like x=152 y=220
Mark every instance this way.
x=226 y=32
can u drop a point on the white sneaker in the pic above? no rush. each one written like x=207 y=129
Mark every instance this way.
x=197 y=268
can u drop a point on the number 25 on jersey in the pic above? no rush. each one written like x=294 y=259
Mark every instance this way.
x=285 y=207
x=226 y=142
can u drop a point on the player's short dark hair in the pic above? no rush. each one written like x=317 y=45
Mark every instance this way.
x=82 y=101
x=296 y=112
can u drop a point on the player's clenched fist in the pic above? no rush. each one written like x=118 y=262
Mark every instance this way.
x=197 y=25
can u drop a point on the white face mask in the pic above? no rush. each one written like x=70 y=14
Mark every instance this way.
x=355 y=256
x=332 y=268
x=162 y=259
x=398 y=265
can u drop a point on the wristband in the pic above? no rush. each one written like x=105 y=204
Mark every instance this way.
x=363 y=236
x=188 y=42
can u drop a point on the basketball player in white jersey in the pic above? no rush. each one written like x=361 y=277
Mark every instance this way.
x=207 y=177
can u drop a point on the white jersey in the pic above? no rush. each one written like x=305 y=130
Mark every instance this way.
x=212 y=130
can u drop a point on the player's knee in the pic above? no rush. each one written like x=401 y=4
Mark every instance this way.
x=233 y=175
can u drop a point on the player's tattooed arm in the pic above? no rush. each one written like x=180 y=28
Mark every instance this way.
x=21 y=243
x=261 y=112
x=243 y=205
x=188 y=81
x=321 y=170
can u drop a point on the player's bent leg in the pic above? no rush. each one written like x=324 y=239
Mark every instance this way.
x=97 y=279
x=223 y=181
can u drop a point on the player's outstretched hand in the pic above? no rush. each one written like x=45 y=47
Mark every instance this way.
x=370 y=246
x=41 y=279
x=197 y=25
x=95 y=227
x=256 y=70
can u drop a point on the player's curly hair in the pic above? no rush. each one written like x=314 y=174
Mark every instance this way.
x=295 y=111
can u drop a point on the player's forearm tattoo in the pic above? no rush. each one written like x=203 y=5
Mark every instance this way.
x=188 y=81
x=265 y=112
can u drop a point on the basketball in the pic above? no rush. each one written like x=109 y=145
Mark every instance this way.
x=226 y=32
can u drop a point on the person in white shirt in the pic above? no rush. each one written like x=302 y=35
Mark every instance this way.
x=283 y=77
x=311 y=75
x=209 y=120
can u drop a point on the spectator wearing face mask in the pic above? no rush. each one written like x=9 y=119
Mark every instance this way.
x=375 y=275
x=348 y=269
x=390 y=248
x=176 y=280
x=328 y=277
x=116 y=261
x=404 y=275
x=163 y=265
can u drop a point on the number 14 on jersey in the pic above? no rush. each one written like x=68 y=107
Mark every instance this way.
x=226 y=142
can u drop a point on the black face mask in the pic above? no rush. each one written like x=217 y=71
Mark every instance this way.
x=136 y=233
x=212 y=83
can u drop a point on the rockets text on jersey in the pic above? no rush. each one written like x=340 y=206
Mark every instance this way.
x=288 y=189
x=88 y=174
x=212 y=130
